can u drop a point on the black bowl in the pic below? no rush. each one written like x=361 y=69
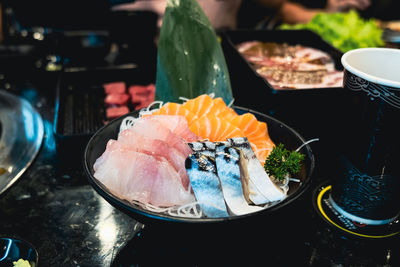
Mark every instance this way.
x=279 y=133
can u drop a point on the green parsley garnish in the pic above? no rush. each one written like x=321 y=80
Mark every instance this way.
x=281 y=162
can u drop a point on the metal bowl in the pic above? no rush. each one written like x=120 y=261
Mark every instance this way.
x=21 y=135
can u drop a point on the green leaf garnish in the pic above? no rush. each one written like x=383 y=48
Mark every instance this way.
x=281 y=162
x=344 y=30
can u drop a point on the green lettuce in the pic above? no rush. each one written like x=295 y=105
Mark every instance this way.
x=345 y=31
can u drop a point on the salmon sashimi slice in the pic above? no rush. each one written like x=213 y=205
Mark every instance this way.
x=251 y=127
x=262 y=147
x=212 y=119
x=171 y=108
x=228 y=113
x=176 y=124
x=155 y=147
x=215 y=128
x=263 y=143
x=137 y=176
x=257 y=134
x=221 y=109
x=218 y=108
x=199 y=105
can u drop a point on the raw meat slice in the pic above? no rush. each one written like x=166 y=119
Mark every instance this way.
x=114 y=88
x=116 y=99
x=142 y=95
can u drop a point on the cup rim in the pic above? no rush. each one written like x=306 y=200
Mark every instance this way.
x=365 y=76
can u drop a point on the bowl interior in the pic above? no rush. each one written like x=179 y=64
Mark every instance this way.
x=378 y=65
x=279 y=133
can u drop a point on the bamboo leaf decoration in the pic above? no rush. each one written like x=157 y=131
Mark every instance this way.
x=190 y=61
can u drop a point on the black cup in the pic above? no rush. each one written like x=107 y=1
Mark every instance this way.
x=366 y=186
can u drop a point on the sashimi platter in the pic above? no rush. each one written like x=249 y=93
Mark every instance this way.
x=198 y=160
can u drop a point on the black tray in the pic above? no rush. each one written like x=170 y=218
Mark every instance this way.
x=311 y=111
x=291 y=37
x=80 y=108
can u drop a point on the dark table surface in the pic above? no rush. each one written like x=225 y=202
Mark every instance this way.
x=57 y=210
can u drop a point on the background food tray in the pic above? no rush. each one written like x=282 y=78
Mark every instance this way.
x=302 y=109
x=80 y=108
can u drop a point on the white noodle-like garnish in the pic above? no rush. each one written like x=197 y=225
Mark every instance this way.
x=190 y=210
x=127 y=123
x=149 y=109
x=184 y=99
x=231 y=103
x=306 y=143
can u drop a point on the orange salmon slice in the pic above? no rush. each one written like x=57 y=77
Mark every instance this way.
x=199 y=105
x=215 y=128
x=171 y=108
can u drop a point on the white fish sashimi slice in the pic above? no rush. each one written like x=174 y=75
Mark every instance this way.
x=176 y=124
x=133 y=175
x=261 y=190
x=227 y=162
x=125 y=172
x=169 y=192
x=156 y=130
x=157 y=147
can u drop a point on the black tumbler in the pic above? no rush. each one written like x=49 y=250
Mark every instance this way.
x=366 y=186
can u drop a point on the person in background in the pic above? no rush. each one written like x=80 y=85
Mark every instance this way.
x=293 y=11
x=223 y=14
x=156 y=6
x=228 y=14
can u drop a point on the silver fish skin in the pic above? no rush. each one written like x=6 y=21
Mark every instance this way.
x=261 y=189
x=205 y=184
x=205 y=147
x=227 y=162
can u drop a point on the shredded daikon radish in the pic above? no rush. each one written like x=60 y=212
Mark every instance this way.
x=231 y=103
x=306 y=143
x=127 y=123
x=184 y=99
x=191 y=210
x=149 y=109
